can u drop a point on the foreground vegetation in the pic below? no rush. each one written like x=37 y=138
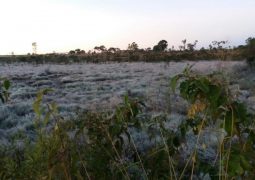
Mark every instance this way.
x=159 y=53
x=102 y=145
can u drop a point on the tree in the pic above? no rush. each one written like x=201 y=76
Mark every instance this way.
x=77 y=51
x=161 y=46
x=133 y=46
x=112 y=50
x=156 y=48
x=250 y=52
x=191 y=47
x=96 y=48
x=148 y=49
x=72 y=52
x=210 y=47
x=202 y=49
x=181 y=48
x=184 y=44
x=219 y=44
x=250 y=42
x=101 y=48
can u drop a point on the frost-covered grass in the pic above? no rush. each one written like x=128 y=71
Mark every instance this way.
x=101 y=86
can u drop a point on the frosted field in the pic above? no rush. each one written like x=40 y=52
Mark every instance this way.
x=102 y=86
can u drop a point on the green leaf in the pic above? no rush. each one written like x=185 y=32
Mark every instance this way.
x=38 y=101
x=184 y=86
x=202 y=84
x=126 y=100
x=239 y=170
x=173 y=82
x=229 y=122
x=245 y=163
x=234 y=167
x=7 y=84
x=37 y=104
x=215 y=98
x=46 y=118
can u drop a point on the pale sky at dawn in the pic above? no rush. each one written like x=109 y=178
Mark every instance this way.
x=63 y=25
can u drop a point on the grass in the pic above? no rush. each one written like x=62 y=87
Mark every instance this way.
x=106 y=145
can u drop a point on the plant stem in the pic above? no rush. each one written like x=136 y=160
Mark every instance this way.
x=169 y=157
x=195 y=150
x=140 y=160
x=116 y=151
x=231 y=135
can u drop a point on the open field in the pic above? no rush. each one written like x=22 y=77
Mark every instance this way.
x=102 y=86
x=94 y=120
x=127 y=90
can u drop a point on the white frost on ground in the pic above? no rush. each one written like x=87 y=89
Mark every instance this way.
x=95 y=86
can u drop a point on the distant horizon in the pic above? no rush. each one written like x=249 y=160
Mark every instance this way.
x=64 y=25
x=92 y=49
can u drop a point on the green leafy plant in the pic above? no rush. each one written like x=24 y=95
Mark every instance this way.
x=108 y=135
x=4 y=90
x=211 y=103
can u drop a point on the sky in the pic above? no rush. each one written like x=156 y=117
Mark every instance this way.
x=63 y=25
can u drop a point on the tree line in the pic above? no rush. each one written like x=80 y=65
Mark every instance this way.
x=162 y=46
x=160 y=52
